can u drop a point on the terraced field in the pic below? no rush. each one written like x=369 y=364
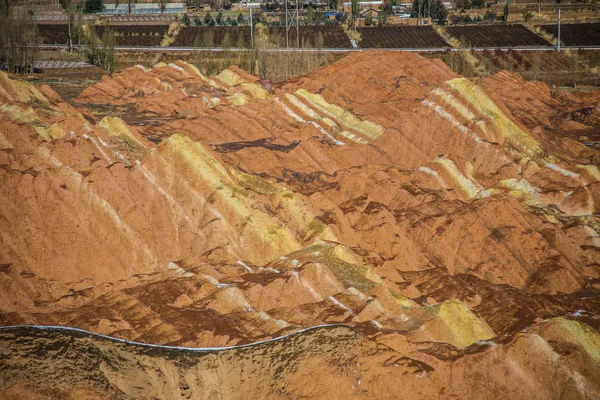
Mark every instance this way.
x=311 y=36
x=134 y=35
x=551 y=67
x=522 y=61
x=496 y=36
x=576 y=34
x=239 y=36
x=331 y=37
x=390 y=37
x=137 y=35
x=53 y=33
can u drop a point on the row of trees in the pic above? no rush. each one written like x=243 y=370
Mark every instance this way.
x=256 y=59
x=208 y=20
x=312 y=18
x=83 y=40
x=489 y=16
x=100 y=51
x=462 y=5
x=19 y=36
x=428 y=9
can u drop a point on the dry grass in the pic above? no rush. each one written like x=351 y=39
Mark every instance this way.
x=171 y=34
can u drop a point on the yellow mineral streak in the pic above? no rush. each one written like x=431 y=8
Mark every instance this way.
x=512 y=134
x=176 y=67
x=522 y=189
x=6 y=91
x=207 y=175
x=452 y=102
x=256 y=90
x=217 y=85
x=117 y=127
x=367 y=129
x=230 y=78
x=529 y=196
x=458 y=324
x=190 y=68
x=54 y=132
x=331 y=125
x=402 y=300
x=314 y=230
x=197 y=158
x=352 y=137
x=166 y=86
x=591 y=171
x=341 y=263
x=324 y=248
x=301 y=213
x=28 y=116
x=307 y=111
x=237 y=100
x=20 y=91
x=294 y=207
x=567 y=331
x=466 y=185
x=256 y=183
x=311 y=114
x=21 y=115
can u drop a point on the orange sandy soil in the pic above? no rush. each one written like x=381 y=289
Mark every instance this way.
x=452 y=226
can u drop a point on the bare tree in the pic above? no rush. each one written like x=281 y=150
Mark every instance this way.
x=19 y=36
x=163 y=5
x=70 y=9
x=101 y=52
x=107 y=55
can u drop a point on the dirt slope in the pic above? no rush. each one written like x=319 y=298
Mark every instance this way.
x=383 y=192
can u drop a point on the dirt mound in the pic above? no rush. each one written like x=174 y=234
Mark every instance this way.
x=430 y=212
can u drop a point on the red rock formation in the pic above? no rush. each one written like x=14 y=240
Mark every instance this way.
x=384 y=192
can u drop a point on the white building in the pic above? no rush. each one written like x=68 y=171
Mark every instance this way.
x=143 y=8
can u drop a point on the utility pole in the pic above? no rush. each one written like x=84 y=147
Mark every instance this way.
x=251 y=28
x=559 y=29
x=287 y=29
x=292 y=21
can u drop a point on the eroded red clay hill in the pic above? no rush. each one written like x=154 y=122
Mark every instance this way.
x=430 y=212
